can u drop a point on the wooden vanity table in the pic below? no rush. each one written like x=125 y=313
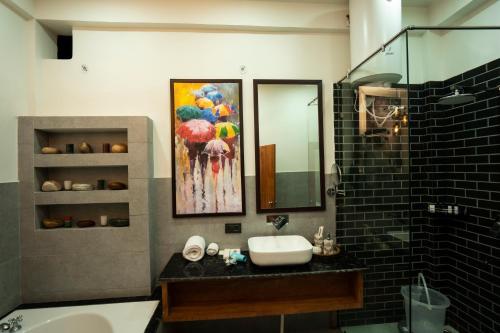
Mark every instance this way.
x=209 y=289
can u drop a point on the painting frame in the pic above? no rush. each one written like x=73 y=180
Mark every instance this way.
x=174 y=121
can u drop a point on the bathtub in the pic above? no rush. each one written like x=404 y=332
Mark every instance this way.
x=131 y=317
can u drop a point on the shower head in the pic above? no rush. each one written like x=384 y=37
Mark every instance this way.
x=459 y=96
x=456 y=98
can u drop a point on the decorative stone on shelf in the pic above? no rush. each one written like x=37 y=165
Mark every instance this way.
x=119 y=148
x=50 y=150
x=116 y=222
x=117 y=186
x=85 y=223
x=82 y=187
x=84 y=148
x=51 y=223
x=51 y=186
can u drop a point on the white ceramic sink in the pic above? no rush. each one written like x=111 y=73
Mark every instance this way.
x=279 y=250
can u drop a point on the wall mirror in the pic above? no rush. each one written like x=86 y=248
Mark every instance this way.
x=289 y=145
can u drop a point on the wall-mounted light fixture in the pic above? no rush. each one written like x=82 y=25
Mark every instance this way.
x=396 y=129
x=405 y=120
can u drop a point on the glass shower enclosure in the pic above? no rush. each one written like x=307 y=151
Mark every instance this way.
x=418 y=144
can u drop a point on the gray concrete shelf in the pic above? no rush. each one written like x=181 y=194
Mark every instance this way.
x=80 y=160
x=81 y=197
x=48 y=252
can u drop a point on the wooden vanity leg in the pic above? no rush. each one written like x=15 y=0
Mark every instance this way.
x=334 y=319
x=164 y=298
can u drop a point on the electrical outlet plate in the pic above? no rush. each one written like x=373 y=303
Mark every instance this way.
x=233 y=228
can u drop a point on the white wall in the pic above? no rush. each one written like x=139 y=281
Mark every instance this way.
x=283 y=118
x=279 y=15
x=14 y=87
x=441 y=55
x=129 y=72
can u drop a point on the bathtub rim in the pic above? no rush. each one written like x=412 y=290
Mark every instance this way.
x=151 y=327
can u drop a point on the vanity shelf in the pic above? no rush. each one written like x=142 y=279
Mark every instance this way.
x=80 y=160
x=209 y=290
x=81 y=197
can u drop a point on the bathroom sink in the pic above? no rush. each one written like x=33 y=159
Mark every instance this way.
x=279 y=250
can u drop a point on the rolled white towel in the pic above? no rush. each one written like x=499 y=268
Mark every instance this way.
x=212 y=249
x=194 y=249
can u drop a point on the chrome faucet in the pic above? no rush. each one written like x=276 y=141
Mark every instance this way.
x=279 y=221
x=13 y=325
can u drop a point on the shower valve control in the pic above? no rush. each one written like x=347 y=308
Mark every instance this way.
x=447 y=209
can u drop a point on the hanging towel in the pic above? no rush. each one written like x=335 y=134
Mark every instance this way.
x=212 y=249
x=194 y=249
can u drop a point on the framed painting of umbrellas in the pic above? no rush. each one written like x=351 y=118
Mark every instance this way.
x=207 y=147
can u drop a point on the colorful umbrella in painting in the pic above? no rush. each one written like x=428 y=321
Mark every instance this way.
x=226 y=130
x=196 y=130
x=206 y=88
x=198 y=94
x=222 y=110
x=216 y=147
x=204 y=103
x=214 y=96
x=188 y=112
x=207 y=114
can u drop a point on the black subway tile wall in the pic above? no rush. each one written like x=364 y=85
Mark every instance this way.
x=372 y=218
x=454 y=159
x=455 y=153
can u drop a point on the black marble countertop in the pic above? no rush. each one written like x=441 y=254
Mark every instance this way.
x=179 y=269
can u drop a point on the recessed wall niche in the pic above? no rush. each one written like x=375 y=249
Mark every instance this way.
x=127 y=246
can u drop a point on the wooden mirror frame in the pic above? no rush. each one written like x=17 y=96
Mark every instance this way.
x=319 y=84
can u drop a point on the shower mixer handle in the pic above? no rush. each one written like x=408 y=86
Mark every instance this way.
x=4 y=327
x=13 y=325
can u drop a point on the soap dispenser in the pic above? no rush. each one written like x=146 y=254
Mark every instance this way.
x=328 y=245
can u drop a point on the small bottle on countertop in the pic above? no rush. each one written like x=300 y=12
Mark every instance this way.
x=328 y=245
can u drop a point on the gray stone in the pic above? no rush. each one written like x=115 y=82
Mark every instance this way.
x=9 y=285
x=212 y=228
x=25 y=133
x=9 y=248
x=109 y=275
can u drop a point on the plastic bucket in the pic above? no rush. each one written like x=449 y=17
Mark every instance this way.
x=428 y=307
